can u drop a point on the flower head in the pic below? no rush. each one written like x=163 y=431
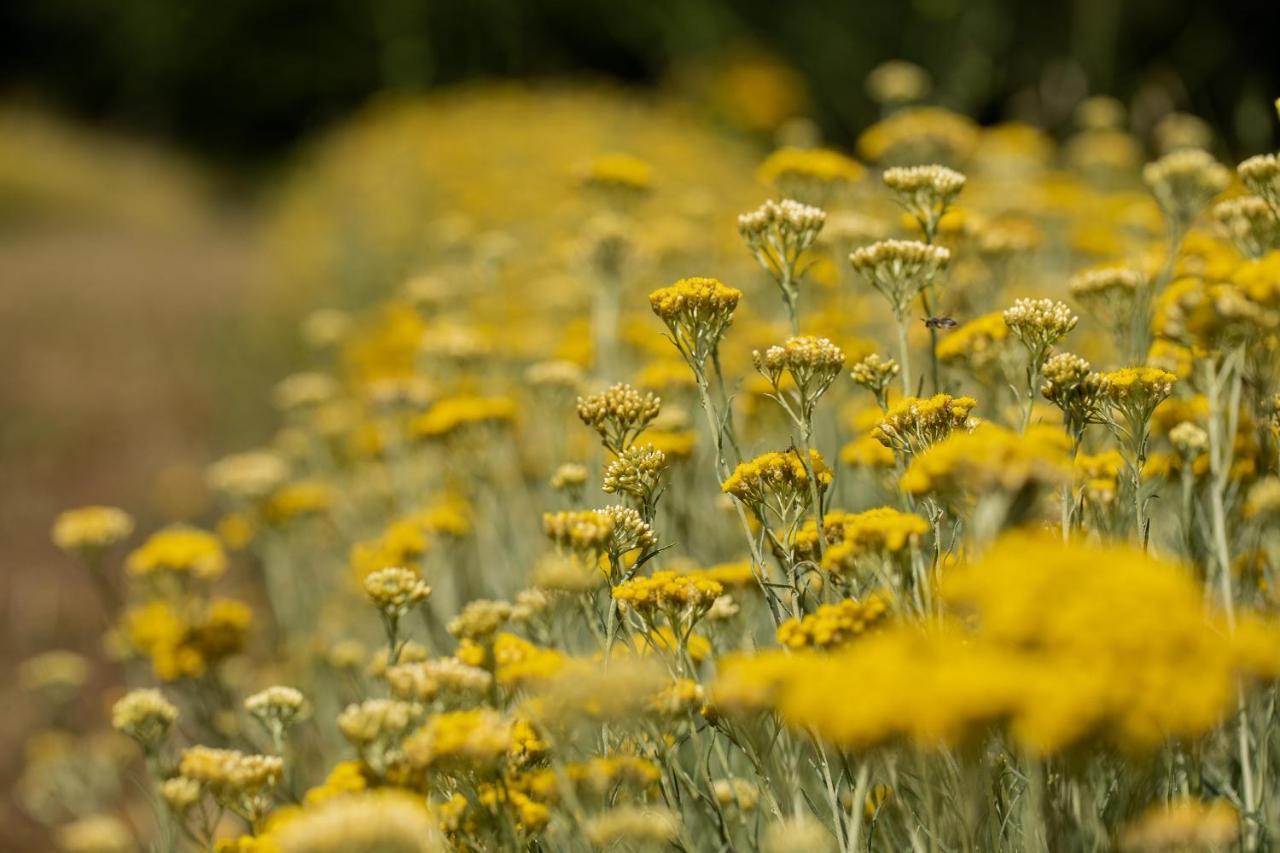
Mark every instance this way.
x=1184 y=182
x=899 y=269
x=833 y=625
x=92 y=528
x=475 y=740
x=914 y=423
x=811 y=174
x=989 y=459
x=634 y=826
x=812 y=364
x=777 y=233
x=1184 y=824
x=977 y=344
x=618 y=415
x=925 y=192
x=1134 y=392
x=1261 y=174
x=875 y=374
x=669 y=592
x=637 y=472
x=231 y=774
x=620 y=178
x=1072 y=386
x=870 y=536
x=1250 y=223
x=697 y=312
x=395 y=591
x=249 y=475
x=779 y=477
x=144 y=715
x=1039 y=324
x=1108 y=292
x=383 y=820
x=898 y=82
x=179 y=550
x=277 y=707
x=480 y=620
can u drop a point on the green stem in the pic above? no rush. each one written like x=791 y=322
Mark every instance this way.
x=904 y=353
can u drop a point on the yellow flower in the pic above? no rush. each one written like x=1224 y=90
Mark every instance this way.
x=900 y=269
x=833 y=625
x=1184 y=182
x=476 y=740
x=453 y=414
x=298 y=500
x=867 y=452
x=634 y=826
x=875 y=533
x=96 y=834
x=386 y=819
x=668 y=592
x=1184 y=824
x=919 y=134
x=619 y=173
x=809 y=173
x=145 y=716
x=180 y=550
x=618 y=415
x=977 y=343
x=990 y=458
x=915 y=423
x=91 y=528
x=778 y=475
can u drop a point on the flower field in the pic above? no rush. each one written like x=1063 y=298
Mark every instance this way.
x=646 y=490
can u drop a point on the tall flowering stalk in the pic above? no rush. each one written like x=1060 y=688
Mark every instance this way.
x=778 y=234
x=926 y=193
x=899 y=270
x=697 y=312
x=1132 y=394
x=1183 y=183
x=1038 y=324
x=811 y=364
x=1080 y=393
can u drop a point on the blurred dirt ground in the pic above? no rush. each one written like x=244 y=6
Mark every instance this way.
x=130 y=355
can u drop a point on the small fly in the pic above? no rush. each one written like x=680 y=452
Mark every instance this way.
x=940 y=323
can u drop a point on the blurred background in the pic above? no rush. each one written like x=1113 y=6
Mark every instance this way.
x=149 y=147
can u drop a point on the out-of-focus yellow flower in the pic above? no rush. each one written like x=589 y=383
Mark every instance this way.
x=91 y=528
x=179 y=550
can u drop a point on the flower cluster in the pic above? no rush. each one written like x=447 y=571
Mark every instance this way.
x=1039 y=323
x=618 y=415
x=668 y=591
x=1184 y=182
x=925 y=192
x=781 y=477
x=912 y=424
x=697 y=312
x=900 y=269
x=834 y=625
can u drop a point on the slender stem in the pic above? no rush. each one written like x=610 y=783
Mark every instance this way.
x=1034 y=837
x=722 y=473
x=933 y=339
x=904 y=352
x=1220 y=464
x=1033 y=380
x=854 y=835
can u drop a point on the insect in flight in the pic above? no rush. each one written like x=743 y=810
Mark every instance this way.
x=940 y=323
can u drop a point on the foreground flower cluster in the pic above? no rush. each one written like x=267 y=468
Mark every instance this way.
x=931 y=507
